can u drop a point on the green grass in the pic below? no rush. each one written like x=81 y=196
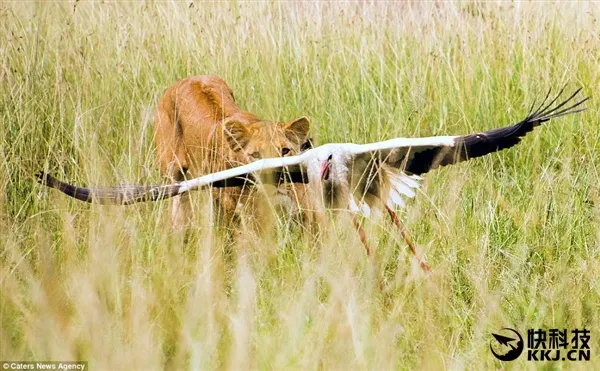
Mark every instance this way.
x=513 y=238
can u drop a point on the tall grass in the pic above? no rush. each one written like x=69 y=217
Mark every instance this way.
x=514 y=238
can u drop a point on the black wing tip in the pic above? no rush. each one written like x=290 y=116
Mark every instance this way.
x=481 y=144
x=40 y=176
x=550 y=111
x=44 y=178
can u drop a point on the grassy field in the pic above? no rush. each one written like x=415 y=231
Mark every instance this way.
x=513 y=238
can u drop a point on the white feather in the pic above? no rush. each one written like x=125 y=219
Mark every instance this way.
x=411 y=181
x=365 y=209
x=395 y=199
x=353 y=206
x=401 y=187
x=428 y=142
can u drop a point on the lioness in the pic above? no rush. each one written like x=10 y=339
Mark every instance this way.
x=199 y=129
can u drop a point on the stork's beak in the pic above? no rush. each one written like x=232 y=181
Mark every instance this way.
x=325 y=170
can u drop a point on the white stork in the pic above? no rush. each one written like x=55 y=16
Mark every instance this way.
x=351 y=176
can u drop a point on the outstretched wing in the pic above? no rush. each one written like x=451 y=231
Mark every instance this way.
x=273 y=171
x=420 y=155
x=130 y=194
x=389 y=171
x=401 y=155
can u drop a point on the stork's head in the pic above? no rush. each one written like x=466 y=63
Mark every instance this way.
x=325 y=168
x=329 y=163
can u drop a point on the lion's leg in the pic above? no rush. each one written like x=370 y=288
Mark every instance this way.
x=173 y=161
x=176 y=171
x=181 y=210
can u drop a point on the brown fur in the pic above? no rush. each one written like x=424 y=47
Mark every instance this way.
x=200 y=129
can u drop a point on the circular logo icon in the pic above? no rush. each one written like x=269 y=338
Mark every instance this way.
x=507 y=346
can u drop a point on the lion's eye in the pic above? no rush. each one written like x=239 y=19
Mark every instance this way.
x=255 y=155
x=285 y=151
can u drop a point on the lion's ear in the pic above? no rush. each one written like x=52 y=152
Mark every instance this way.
x=237 y=134
x=297 y=130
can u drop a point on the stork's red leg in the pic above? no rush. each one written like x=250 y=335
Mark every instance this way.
x=362 y=234
x=399 y=225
